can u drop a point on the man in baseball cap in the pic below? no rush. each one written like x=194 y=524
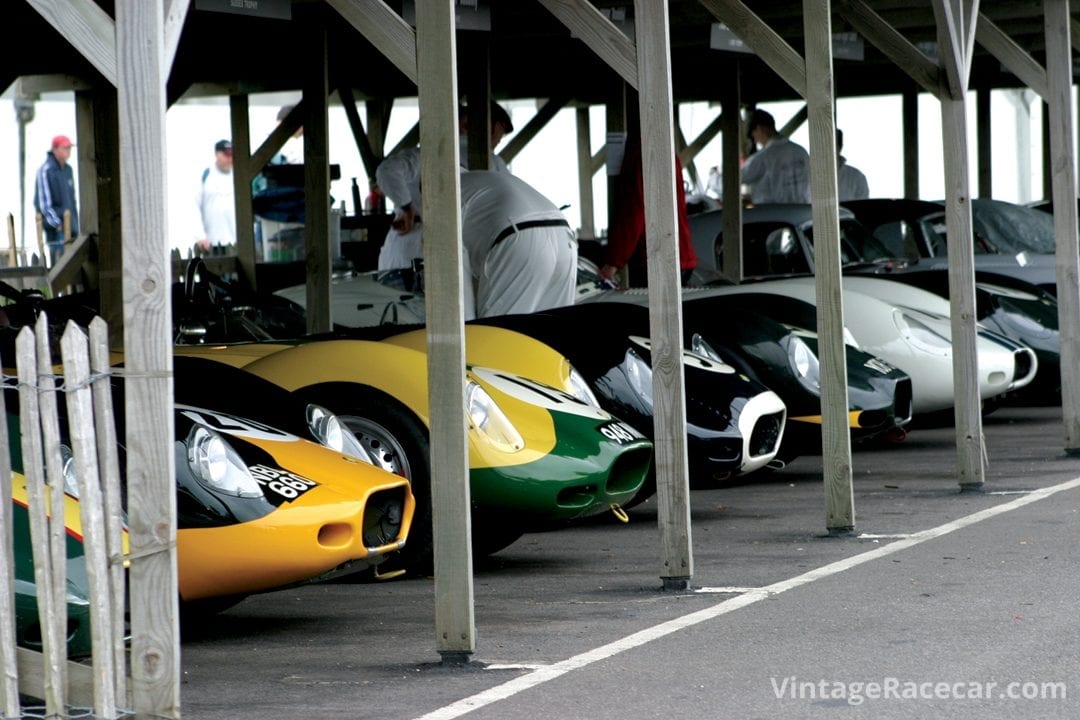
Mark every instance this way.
x=779 y=172
x=215 y=199
x=54 y=197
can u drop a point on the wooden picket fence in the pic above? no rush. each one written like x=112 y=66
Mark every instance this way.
x=58 y=686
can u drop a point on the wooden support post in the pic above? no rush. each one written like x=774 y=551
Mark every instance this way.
x=317 y=176
x=910 y=112
x=984 y=145
x=587 y=231
x=147 y=287
x=1059 y=80
x=731 y=164
x=12 y=262
x=243 y=174
x=835 y=433
x=455 y=625
x=665 y=299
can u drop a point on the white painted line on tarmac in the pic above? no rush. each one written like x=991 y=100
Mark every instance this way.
x=724 y=590
x=551 y=672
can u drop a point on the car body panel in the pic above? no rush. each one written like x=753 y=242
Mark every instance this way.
x=728 y=414
x=872 y=323
x=1010 y=239
x=566 y=468
x=865 y=255
x=318 y=529
x=369 y=299
x=28 y=632
x=758 y=345
x=320 y=513
x=716 y=451
x=348 y=375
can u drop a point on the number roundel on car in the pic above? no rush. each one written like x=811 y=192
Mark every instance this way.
x=690 y=359
x=536 y=393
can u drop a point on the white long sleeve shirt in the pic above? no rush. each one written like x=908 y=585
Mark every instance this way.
x=215 y=200
x=778 y=173
x=850 y=182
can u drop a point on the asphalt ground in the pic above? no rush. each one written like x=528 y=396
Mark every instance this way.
x=942 y=604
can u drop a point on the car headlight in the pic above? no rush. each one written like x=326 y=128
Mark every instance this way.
x=71 y=480
x=581 y=390
x=639 y=373
x=490 y=421
x=215 y=464
x=920 y=335
x=332 y=433
x=804 y=363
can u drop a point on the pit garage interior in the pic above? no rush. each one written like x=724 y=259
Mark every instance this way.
x=128 y=60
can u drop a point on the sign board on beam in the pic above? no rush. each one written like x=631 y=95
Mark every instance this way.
x=722 y=38
x=846 y=45
x=930 y=50
x=278 y=9
x=468 y=14
x=619 y=18
x=616 y=150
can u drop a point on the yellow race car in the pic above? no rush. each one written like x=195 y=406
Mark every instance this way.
x=541 y=450
x=278 y=496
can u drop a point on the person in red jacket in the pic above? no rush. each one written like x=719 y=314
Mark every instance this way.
x=626 y=238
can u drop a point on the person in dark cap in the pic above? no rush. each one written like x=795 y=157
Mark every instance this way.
x=54 y=197
x=501 y=126
x=398 y=178
x=215 y=200
x=850 y=181
x=779 y=172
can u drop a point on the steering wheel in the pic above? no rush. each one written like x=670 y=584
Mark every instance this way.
x=198 y=283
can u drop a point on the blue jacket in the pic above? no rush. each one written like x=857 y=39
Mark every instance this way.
x=54 y=192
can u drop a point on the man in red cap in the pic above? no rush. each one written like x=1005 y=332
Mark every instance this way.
x=54 y=197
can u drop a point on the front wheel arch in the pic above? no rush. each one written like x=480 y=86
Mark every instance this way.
x=400 y=442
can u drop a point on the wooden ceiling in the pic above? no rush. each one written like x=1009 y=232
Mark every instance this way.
x=532 y=54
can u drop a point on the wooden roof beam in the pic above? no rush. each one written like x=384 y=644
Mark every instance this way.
x=1011 y=55
x=892 y=44
x=384 y=29
x=763 y=40
x=175 y=14
x=599 y=34
x=87 y=27
x=956 y=41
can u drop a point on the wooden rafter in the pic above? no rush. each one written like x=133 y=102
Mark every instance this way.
x=956 y=41
x=599 y=34
x=763 y=40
